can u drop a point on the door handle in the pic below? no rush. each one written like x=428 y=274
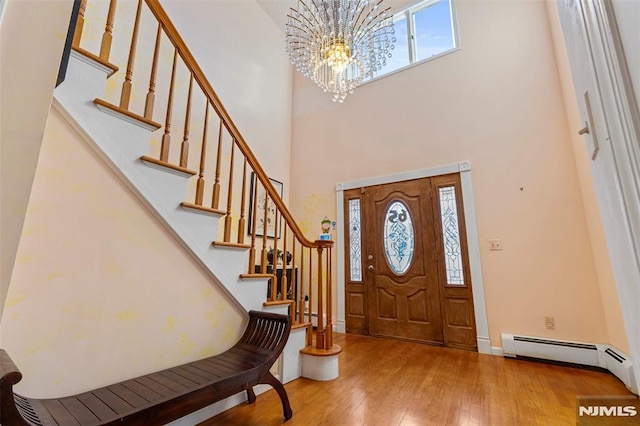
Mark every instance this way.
x=585 y=129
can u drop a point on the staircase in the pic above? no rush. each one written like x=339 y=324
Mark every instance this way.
x=241 y=198
x=122 y=142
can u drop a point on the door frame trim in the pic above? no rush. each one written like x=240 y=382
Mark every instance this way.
x=477 y=286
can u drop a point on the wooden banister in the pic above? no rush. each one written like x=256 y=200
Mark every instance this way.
x=203 y=156
x=107 y=37
x=125 y=96
x=184 y=148
x=166 y=137
x=77 y=35
x=189 y=60
x=310 y=276
x=151 y=95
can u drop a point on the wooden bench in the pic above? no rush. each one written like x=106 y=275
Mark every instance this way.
x=161 y=397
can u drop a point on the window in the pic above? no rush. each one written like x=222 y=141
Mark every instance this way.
x=398 y=237
x=422 y=31
x=451 y=235
x=355 y=240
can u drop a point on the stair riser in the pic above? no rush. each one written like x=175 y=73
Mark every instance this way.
x=291 y=358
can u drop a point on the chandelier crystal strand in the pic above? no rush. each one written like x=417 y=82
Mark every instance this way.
x=339 y=43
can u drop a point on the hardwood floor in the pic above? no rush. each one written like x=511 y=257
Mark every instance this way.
x=387 y=382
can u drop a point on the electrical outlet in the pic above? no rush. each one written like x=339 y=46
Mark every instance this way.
x=495 y=244
x=550 y=323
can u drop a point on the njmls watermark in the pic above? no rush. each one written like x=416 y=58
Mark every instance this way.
x=607 y=410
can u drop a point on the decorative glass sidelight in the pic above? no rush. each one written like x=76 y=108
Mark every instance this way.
x=355 y=240
x=399 y=237
x=451 y=235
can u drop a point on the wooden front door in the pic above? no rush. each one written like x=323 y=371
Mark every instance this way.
x=414 y=278
x=401 y=275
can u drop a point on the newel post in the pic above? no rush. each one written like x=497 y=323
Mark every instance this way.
x=324 y=336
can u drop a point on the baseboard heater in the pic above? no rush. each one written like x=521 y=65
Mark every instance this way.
x=595 y=355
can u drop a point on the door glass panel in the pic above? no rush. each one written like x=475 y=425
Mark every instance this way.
x=355 y=240
x=451 y=235
x=398 y=237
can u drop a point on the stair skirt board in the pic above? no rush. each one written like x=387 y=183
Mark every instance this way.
x=589 y=354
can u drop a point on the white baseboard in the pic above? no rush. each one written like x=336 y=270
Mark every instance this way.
x=496 y=351
x=484 y=345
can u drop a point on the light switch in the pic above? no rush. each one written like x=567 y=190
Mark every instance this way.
x=495 y=244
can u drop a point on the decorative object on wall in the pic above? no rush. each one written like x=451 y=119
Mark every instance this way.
x=260 y=206
x=338 y=43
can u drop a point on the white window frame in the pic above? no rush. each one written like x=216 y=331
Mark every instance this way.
x=409 y=14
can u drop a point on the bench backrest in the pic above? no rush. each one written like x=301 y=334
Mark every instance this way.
x=267 y=332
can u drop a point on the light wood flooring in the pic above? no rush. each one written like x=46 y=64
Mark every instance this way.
x=387 y=382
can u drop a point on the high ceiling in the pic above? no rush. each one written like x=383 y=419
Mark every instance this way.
x=278 y=9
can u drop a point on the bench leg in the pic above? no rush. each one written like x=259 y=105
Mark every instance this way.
x=275 y=383
x=251 y=396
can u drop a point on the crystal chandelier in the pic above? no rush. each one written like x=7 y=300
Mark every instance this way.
x=338 y=43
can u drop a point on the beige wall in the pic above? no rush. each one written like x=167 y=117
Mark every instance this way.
x=498 y=103
x=608 y=292
x=32 y=35
x=99 y=282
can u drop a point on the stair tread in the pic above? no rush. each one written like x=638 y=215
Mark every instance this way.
x=202 y=208
x=257 y=276
x=312 y=350
x=231 y=245
x=278 y=302
x=114 y=68
x=161 y=163
x=301 y=325
x=115 y=108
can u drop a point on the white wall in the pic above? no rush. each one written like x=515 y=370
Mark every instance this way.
x=628 y=16
x=241 y=51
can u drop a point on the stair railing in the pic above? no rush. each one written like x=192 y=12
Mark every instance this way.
x=221 y=155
